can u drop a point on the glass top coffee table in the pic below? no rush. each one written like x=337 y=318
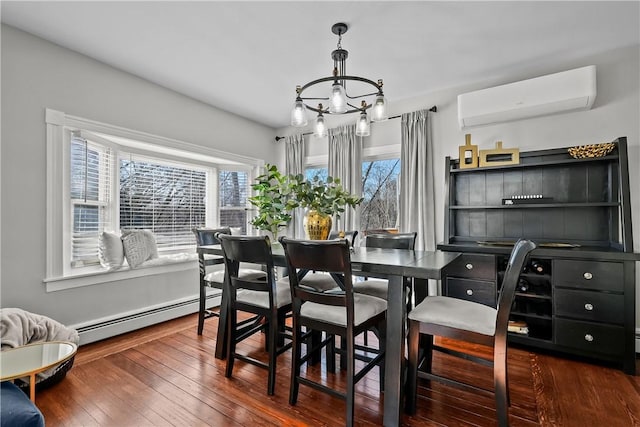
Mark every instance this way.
x=31 y=359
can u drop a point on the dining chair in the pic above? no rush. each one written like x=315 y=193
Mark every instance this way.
x=212 y=279
x=323 y=281
x=342 y=313
x=378 y=287
x=375 y=286
x=471 y=322
x=268 y=298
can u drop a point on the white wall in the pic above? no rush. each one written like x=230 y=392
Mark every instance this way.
x=616 y=112
x=37 y=75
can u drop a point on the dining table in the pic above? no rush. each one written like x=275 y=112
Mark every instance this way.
x=394 y=265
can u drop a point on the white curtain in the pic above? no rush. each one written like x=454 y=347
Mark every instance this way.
x=345 y=162
x=294 y=164
x=416 y=205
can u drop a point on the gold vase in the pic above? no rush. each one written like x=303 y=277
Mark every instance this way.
x=317 y=225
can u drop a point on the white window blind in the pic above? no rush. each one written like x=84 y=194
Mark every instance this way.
x=233 y=189
x=167 y=198
x=90 y=194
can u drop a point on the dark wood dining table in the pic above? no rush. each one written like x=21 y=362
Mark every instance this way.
x=394 y=264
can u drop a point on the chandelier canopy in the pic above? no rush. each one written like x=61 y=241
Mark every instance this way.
x=337 y=99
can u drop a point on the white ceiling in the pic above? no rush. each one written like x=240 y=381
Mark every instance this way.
x=247 y=57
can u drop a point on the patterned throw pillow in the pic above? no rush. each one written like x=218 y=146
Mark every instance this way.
x=110 y=251
x=139 y=246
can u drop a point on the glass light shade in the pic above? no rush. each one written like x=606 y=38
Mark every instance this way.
x=337 y=99
x=320 y=130
x=363 y=128
x=379 y=112
x=299 y=114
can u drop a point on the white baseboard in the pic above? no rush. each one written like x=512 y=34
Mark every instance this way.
x=107 y=327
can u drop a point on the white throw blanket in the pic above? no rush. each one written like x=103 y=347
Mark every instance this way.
x=19 y=327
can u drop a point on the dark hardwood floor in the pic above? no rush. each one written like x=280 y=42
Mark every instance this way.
x=166 y=375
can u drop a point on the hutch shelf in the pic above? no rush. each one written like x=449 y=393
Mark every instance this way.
x=577 y=293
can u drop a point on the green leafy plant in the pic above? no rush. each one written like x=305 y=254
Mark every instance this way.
x=276 y=195
x=273 y=192
x=328 y=198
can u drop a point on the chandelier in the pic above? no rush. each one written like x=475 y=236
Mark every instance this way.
x=338 y=100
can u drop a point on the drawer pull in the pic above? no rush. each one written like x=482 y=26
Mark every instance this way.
x=587 y=275
x=469 y=292
x=469 y=266
x=588 y=307
x=588 y=338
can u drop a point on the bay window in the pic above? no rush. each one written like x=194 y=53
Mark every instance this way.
x=105 y=178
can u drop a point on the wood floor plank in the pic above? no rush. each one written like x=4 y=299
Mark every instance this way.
x=166 y=375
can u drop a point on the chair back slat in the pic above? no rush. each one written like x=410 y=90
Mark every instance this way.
x=517 y=260
x=391 y=240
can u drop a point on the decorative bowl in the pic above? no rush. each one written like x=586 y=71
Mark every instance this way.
x=592 y=150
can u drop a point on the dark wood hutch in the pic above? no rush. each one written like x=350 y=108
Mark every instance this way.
x=577 y=294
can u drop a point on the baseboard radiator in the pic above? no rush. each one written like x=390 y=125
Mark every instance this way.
x=100 y=329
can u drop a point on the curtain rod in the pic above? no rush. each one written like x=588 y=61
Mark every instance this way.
x=433 y=109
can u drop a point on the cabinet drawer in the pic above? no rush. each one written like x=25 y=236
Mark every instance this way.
x=589 y=274
x=589 y=337
x=588 y=305
x=471 y=290
x=472 y=266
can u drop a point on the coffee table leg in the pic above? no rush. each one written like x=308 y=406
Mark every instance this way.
x=32 y=387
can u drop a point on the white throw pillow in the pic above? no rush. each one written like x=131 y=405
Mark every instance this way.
x=110 y=251
x=139 y=246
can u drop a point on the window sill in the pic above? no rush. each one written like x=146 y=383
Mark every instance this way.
x=160 y=265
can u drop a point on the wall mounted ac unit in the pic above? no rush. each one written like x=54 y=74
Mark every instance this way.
x=554 y=93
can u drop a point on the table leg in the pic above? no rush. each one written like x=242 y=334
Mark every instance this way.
x=394 y=357
x=32 y=387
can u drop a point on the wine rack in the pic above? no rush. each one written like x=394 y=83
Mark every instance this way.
x=532 y=309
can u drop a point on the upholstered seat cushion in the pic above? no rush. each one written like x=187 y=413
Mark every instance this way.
x=319 y=282
x=261 y=299
x=374 y=287
x=456 y=313
x=371 y=286
x=244 y=273
x=365 y=307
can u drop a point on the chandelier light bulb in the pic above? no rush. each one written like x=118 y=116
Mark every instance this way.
x=379 y=113
x=363 y=128
x=337 y=99
x=299 y=114
x=320 y=130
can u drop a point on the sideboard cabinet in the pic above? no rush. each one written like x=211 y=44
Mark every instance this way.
x=577 y=292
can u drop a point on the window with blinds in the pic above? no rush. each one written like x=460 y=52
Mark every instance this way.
x=233 y=189
x=90 y=194
x=167 y=198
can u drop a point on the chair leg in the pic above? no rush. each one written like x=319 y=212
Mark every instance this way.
x=350 y=392
x=382 y=345
x=425 y=352
x=331 y=355
x=343 y=355
x=412 y=368
x=273 y=353
x=232 y=322
x=202 y=308
x=296 y=355
x=500 y=383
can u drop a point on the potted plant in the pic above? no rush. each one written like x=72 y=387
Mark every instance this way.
x=273 y=200
x=322 y=200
